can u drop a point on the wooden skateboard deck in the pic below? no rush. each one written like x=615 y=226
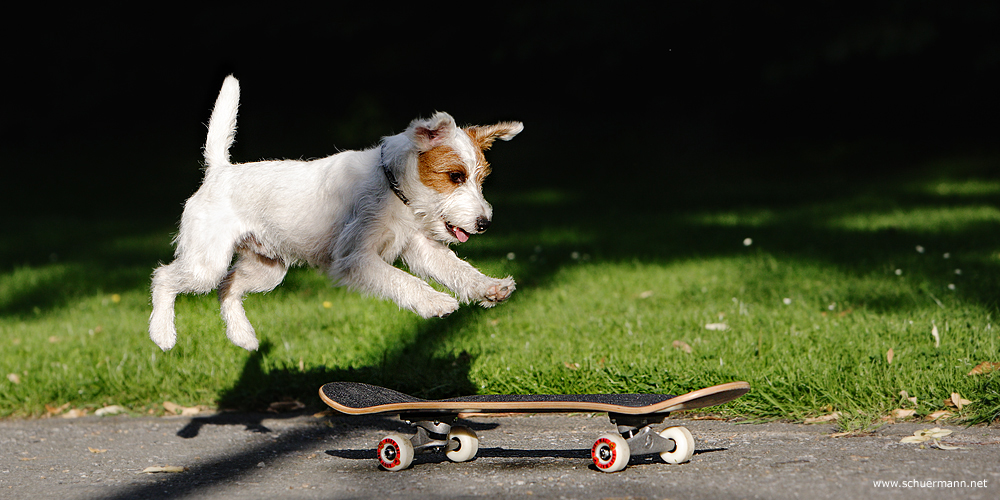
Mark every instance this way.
x=356 y=398
x=633 y=414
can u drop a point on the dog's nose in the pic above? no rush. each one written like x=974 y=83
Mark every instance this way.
x=482 y=224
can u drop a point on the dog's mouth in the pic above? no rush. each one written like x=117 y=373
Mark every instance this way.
x=458 y=232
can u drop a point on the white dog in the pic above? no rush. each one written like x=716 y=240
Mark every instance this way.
x=351 y=214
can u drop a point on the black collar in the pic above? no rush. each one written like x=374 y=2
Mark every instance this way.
x=393 y=183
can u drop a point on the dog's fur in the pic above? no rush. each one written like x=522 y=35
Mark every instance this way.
x=351 y=214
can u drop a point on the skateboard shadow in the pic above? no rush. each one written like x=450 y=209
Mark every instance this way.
x=510 y=455
x=368 y=454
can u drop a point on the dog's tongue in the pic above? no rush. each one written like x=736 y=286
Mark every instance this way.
x=460 y=234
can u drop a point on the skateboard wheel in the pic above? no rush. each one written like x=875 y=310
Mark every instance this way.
x=684 y=445
x=463 y=444
x=610 y=453
x=395 y=452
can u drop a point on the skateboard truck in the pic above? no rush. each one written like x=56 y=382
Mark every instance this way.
x=638 y=433
x=431 y=434
x=611 y=452
x=435 y=432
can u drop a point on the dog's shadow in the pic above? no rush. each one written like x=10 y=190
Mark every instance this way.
x=263 y=393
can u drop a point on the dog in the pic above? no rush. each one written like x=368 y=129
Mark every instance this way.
x=352 y=215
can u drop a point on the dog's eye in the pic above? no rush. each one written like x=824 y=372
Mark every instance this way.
x=457 y=177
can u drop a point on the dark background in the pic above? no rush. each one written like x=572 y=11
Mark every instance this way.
x=105 y=108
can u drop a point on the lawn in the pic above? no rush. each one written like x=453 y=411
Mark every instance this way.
x=829 y=289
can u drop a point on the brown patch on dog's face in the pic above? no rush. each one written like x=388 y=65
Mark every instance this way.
x=483 y=136
x=442 y=169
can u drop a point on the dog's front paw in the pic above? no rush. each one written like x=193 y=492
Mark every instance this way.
x=438 y=305
x=498 y=292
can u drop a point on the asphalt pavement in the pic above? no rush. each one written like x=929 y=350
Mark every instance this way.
x=265 y=455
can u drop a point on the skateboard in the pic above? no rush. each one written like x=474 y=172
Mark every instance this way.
x=633 y=414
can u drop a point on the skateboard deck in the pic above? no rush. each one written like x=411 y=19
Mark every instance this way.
x=632 y=413
x=356 y=398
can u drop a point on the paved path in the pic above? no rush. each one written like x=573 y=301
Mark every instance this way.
x=541 y=456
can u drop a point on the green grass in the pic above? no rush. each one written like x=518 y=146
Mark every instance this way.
x=610 y=275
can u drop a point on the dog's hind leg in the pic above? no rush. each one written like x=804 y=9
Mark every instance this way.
x=169 y=280
x=161 y=321
x=199 y=267
x=251 y=273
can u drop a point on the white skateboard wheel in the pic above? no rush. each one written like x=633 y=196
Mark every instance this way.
x=395 y=452
x=610 y=453
x=463 y=444
x=684 y=445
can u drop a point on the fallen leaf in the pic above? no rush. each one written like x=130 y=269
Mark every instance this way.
x=825 y=418
x=572 y=366
x=165 y=468
x=680 y=344
x=55 y=410
x=957 y=401
x=901 y=413
x=905 y=395
x=980 y=369
x=95 y=450
x=109 y=410
x=940 y=415
x=325 y=413
x=74 y=413
x=716 y=326
x=889 y=355
x=14 y=378
x=934 y=435
x=177 y=409
x=937 y=338
x=926 y=435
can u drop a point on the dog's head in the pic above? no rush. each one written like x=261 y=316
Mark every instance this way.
x=444 y=177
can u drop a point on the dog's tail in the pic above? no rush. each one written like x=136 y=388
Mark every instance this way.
x=222 y=125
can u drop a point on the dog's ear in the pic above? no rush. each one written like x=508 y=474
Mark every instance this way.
x=427 y=134
x=484 y=135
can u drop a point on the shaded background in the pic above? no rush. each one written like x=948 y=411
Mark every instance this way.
x=796 y=116
x=105 y=108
